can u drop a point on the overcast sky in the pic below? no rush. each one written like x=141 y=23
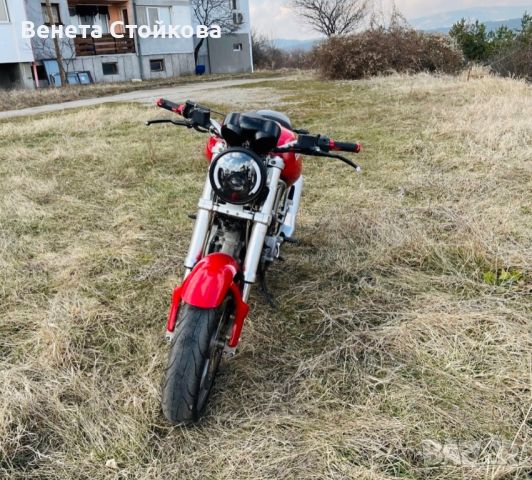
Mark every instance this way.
x=274 y=17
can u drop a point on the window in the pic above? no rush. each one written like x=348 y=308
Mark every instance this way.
x=110 y=68
x=4 y=17
x=85 y=78
x=238 y=18
x=90 y=15
x=158 y=14
x=157 y=65
x=56 y=17
x=237 y=47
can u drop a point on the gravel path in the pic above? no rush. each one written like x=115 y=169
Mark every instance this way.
x=221 y=91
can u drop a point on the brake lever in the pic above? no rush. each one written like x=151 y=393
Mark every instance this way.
x=181 y=123
x=318 y=153
x=346 y=160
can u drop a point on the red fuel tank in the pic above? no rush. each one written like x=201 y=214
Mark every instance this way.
x=214 y=144
x=293 y=164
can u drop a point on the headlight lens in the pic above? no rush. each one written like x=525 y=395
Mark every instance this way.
x=238 y=176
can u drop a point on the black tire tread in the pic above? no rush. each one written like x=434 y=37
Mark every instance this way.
x=188 y=352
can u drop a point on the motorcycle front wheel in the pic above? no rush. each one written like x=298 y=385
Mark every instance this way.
x=195 y=354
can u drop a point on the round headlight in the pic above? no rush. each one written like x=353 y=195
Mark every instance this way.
x=238 y=176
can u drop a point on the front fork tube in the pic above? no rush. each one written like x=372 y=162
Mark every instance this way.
x=261 y=222
x=259 y=231
x=201 y=228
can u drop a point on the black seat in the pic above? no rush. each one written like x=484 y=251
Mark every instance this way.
x=278 y=117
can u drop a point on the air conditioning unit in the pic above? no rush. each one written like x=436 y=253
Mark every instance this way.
x=238 y=18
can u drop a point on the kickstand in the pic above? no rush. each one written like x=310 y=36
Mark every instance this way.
x=265 y=291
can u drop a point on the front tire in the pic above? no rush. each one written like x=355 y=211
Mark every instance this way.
x=193 y=361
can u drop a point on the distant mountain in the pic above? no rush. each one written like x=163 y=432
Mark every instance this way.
x=512 y=23
x=443 y=21
x=493 y=17
x=289 y=44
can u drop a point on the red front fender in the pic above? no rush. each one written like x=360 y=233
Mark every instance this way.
x=210 y=280
x=207 y=286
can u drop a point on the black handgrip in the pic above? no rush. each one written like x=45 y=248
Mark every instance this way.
x=168 y=105
x=346 y=147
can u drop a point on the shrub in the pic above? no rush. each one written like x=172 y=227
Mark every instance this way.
x=266 y=56
x=508 y=52
x=516 y=62
x=513 y=55
x=473 y=39
x=381 y=51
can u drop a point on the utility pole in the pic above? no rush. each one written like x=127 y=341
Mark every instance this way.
x=57 y=46
x=137 y=39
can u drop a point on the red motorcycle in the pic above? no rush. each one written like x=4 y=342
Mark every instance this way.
x=247 y=211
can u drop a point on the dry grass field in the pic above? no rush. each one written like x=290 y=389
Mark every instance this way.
x=401 y=344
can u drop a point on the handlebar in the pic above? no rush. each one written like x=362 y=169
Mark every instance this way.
x=196 y=116
x=170 y=106
x=199 y=118
x=345 y=147
x=325 y=144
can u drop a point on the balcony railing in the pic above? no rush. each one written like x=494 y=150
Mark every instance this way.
x=107 y=45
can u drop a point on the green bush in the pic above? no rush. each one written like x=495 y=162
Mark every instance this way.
x=382 y=51
x=473 y=39
x=508 y=52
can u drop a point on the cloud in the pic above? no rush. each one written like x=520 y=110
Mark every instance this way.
x=420 y=8
x=276 y=19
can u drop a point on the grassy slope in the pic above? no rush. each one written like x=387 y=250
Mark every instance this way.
x=390 y=341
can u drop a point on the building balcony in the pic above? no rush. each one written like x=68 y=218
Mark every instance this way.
x=107 y=45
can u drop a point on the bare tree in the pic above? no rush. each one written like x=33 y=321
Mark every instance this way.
x=332 y=17
x=265 y=53
x=212 y=13
x=44 y=49
x=57 y=46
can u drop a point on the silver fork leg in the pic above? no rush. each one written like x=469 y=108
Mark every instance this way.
x=260 y=229
x=201 y=227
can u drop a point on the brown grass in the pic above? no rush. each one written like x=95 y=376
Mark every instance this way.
x=400 y=347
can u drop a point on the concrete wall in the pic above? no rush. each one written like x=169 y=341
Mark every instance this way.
x=127 y=65
x=217 y=54
x=44 y=48
x=181 y=15
x=13 y=48
x=16 y=75
x=243 y=6
x=224 y=59
x=175 y=64
x=177 y=54
x=245 y=61
x=16 y=54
